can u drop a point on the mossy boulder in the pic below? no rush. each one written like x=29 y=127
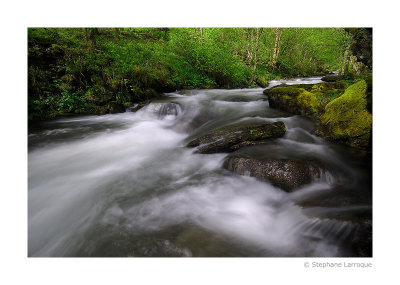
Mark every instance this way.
x=368 y=80
x=231 y=138
x=327 y=91
x=292 y=99
x=346 y=118
x=287 y=174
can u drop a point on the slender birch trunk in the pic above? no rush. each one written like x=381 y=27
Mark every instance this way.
x=277 y=46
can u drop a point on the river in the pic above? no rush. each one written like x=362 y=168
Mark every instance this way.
x=125 y=185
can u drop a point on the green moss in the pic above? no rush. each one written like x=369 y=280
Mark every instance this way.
x=287 y=90
x=325 y=86
x=346 y=118
x=293 y=99
x=309 y=101
x=262 y=81
x=127 y=104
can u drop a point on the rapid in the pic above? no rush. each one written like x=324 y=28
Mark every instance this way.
x=125 y=185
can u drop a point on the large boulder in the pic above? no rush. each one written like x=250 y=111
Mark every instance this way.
x=231 y=138
x=287 y=174
x=292 y=99
x=346 y=119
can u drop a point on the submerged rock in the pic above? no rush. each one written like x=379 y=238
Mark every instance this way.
x=346 y=119
x=231 y=138
x=164 y=109
x=287 y=174
x=292 y=99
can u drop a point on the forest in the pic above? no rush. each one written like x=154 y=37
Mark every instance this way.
x=103 y=70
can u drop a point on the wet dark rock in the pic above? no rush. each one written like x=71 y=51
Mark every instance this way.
x=287 y=174
x=361 y=241
x=202 y=243
x=136 y=107
x=231 y=138
x=336 y=197
x=115 y=107
x=354 y=214
x=354 y=238
x=164 y=109
x=169 y=109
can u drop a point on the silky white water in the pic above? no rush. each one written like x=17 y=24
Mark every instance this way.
x=126 y=185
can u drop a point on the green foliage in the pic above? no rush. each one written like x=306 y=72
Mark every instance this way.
x=80 y=69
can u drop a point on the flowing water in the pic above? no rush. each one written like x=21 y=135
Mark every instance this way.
x=126 y=185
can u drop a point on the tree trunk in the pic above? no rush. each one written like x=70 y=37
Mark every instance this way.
x=277 y=46
x=356 y=65
x=346 y=65
x=258 y=36
x=201 y=32
x=346 y=48
x=116 y=30
x=250 y=47
x=90 y=36
x=341 y=62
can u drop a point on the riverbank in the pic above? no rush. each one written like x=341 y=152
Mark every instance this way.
x=99 y=70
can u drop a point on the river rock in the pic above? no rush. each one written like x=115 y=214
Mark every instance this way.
x=332 y=78
x=292 y=99
x=115 y=107
x=288 y=174
x=164 y=109
x=346 y=119
x=231 y=138
x=136 y=107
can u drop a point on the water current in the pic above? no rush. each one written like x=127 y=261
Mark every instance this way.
x=126 y=185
